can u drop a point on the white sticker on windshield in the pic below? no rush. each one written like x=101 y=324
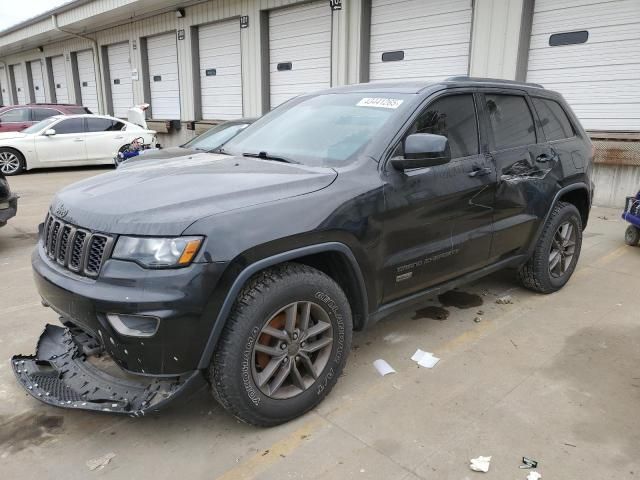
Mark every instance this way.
x=380 y=102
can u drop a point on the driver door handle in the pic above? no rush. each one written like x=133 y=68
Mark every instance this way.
x=479 y=172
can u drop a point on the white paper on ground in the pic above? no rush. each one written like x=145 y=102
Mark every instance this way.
x=480 y=464
x=425 y=359
x=534 y=476
x=383 y=367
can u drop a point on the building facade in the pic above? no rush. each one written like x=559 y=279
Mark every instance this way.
x=199 y=62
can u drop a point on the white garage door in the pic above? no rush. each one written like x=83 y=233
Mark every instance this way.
x=20 y=84
x=220 y=70
x=37 y=80
x=163 y=76
x=60 y=79
x=419 y=39
x=87 y=79
x=594 y=61
x=299 y=50
x=4 y=93
x=120 y=79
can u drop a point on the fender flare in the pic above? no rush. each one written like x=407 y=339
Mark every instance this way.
x=267 y=262
x=556 y=198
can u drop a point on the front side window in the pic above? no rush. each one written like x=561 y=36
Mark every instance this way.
x=72 y=125
x=41 y=125
x=555 y=123
x=103 y=125
x=326 y=129
x=42 y=113
x=453 y=117
x=15 y=115
x=511 y=121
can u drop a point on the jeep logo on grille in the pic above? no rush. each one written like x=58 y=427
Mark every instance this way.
x=61 y=211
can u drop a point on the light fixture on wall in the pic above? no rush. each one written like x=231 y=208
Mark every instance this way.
x=180 y=13
x=41 y=49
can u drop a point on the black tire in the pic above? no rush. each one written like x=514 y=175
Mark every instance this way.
x=536 y=274
x=10 y=157
x=234 y=367
x=632 y=236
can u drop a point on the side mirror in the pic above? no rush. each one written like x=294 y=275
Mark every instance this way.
x=49 y=132
x=423 y=150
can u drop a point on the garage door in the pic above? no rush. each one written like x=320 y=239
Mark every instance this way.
x=590 y=52
x=19 y=83
x=299 y=50
x=163 y=76
x=419 y=39
x=120 y=79
x=220 y=70
x=60 y=79
x=37 y=80
x=4 y=94
x=87 y=79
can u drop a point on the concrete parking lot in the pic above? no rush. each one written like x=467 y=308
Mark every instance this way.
x=555 y=378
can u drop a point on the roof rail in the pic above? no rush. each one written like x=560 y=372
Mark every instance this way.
x=466 y=78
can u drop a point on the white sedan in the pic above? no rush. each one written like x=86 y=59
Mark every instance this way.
x=69 y=140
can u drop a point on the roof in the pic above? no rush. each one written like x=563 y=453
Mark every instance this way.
x=417 y=86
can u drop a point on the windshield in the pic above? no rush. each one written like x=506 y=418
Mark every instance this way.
x=36 y=127
x=217 y=136
x=324 y=129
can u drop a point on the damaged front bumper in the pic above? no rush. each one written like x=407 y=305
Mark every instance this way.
x=61 y=374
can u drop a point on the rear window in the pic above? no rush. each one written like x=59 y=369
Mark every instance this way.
x=42 y=113
x=77 y=110
x=511 y=121
x=554 y=120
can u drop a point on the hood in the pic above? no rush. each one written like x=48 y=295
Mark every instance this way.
x=11 y=135
x=164 y=197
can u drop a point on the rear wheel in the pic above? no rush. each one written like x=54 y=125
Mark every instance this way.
x=632 y=235
x=11 y=161
x=557 y=251
x=283 y=347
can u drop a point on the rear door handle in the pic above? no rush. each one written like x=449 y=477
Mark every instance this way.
x=119 y=138
x=479 y=172
x=78 y=140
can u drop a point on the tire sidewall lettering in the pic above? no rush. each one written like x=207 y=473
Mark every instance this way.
x=245 y=367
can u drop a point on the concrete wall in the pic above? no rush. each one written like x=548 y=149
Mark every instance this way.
x=614 y=183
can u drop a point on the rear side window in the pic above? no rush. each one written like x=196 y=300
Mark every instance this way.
x=554 y=120
x=15 y=115
x=72 y=125
x=42 y=113
x=103 y=125
x=511 y=121
x=455 y=118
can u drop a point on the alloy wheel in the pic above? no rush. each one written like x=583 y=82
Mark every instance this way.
x=9 y=163
x=292 y=350
x=563 y=248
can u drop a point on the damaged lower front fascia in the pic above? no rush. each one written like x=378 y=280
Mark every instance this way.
x=60 y=374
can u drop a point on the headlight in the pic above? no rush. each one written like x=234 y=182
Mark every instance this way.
x=157 y=252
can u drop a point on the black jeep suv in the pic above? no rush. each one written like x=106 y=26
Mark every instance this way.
x=250 y=267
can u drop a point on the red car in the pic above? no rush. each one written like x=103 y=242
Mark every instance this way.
x=15 y=118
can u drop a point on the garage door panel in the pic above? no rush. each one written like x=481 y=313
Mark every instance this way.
x=220 y=55
x=87 y=78
x=599 y=78
x=162 y=57
x=300 y=35
x=37 y=79
x=60 y=79
x=584 y=18
x=434 y=36
x=20 y=83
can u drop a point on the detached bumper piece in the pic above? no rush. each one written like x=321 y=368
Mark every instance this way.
x=60 y=374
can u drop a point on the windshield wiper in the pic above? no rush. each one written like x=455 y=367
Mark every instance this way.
x=266 y=156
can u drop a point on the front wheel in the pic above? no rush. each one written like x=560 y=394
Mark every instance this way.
x=632 y=235
x=557 y=251
x=283 y=347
